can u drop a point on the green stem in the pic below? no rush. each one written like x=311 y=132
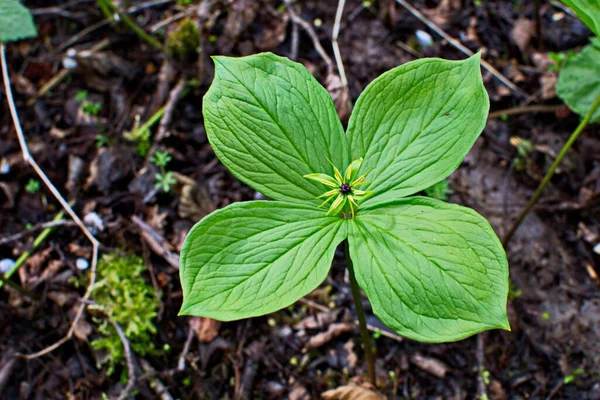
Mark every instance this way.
x=362 y=322
x=107 y=6
x=36 y=243
x=550 y=173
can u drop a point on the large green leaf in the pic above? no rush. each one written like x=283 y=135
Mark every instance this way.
x=579 y=81
x=588 y=11
x=270 y=123
x=414 y=124
x=253 y=258
x=15 y=21
x=433 y=271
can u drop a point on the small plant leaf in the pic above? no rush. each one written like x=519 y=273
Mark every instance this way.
x=270 y=122
x=433 y=271
x=414 y=124
x=253 y=258
x=588 y=12
x=15 y=21
x=579 y=81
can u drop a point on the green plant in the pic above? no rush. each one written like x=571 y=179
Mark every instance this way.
x=579 y=87
x=559 y=59
x=183 y=42
x=124 y=297
x=15 y=21
x=432 y=271
x=571 y=377
x=87 y=106
x=33 y=186
x=164 y=179
x=440 y=190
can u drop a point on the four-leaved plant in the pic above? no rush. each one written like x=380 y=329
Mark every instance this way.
x=432 y=271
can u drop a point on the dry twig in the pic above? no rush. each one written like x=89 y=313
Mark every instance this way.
x=128 y=359
x=460 y=46
x=37 y=227
x=525 y=110
x=336 y=49
x=313 y=35
x=65 y=205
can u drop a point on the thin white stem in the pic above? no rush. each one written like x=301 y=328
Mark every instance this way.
x=65 y=205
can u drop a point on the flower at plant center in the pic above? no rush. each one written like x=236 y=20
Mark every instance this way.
x=344 y=192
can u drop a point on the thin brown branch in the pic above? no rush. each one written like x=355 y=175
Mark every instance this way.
x=65 y=205
x=458 y=45
x=35 y=228
x=524 y=110
x=129 y=361
x=311 y=32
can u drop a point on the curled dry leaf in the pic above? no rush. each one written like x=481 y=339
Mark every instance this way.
x=521 y=33
x=431 y=365
x=206 y=329
x=333 y=331
x=366 y=391
x=194 y=201
x=317 y=321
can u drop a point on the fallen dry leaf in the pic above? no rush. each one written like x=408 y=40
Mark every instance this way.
x=317 y=321
x=194 y=201
x=431 y=365
x=353 y=392
x=333 y=331
x=206 y=329
x=340 y=96
x=521 y=33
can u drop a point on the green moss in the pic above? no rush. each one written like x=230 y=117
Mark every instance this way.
x=183 y=43
x=125 y=298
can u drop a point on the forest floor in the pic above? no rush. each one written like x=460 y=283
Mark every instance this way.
x=82 y=132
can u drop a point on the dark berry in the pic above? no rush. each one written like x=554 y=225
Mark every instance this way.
x=345 y=188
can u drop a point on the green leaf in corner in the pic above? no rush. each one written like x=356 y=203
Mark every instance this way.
x=15 y=21
x=270 y=122
x=588 y=12
x=414 y=124
x=579 y=81
x=432 y=271
x=253 y=258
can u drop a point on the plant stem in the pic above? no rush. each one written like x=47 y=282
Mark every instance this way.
x=550 y=173
x=362 y=322
x=107 y=7
x=25 y=255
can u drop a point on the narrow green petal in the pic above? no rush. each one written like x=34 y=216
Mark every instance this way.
x=322 y=178
x=326 y=201
x=332 y=192
x=337 y=205
x=352 y=169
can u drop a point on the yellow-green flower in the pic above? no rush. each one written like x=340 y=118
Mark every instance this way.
x=344 y=188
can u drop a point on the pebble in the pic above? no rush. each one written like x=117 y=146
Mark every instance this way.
x=93 y=219
x=82 y=264
x=4 y=166
x=424 y=38
x=6 y=265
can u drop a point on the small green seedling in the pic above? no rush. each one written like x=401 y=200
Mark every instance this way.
x=164 y=179
x=87 y=106
x=33 y=186
x=432 y=271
